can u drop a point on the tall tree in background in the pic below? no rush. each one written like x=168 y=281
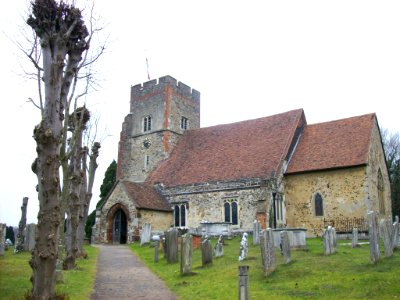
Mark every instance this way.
x=63 y=38
x=391 y=142
x=110 y=177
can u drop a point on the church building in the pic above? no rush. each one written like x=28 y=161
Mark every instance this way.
x=278 y=169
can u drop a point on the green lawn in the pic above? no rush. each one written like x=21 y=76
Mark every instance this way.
x=15 y=274
x=347 y=274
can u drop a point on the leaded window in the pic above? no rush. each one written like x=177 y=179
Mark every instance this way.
x=318 y=205
x=146 y=123
x=231 y=212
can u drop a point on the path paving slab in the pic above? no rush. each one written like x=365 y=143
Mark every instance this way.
x=120 y=275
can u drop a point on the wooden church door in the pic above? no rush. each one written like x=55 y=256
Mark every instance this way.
x=119 y=228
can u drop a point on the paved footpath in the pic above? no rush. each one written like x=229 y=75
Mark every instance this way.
x=120 y=275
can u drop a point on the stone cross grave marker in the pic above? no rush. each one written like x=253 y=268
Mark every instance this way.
x=373 y=237
x=256 y=232
x=244 y=247
x=219 y=247
x=206 y=252
x=145 y=235
x=186 y=254
x=268 y=251
x=285 y=242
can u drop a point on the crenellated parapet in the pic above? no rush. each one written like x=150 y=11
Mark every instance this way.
x=144 y=90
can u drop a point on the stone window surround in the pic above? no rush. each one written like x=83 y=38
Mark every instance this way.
x=314 y=212
x=231 y=200
x=184 y=123
x=185 y=204
x=147 y=123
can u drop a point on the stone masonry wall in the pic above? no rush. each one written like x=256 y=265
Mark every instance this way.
x=377 y=162
x=342 y=190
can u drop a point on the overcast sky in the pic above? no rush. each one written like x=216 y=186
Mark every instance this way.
x=248 y=59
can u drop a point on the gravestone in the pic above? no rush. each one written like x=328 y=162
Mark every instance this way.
x=354 y=238
x=396 y=235
x=373 y=237
x=386 y=237
x=171 y=239
x=163 y=242
x=329 y=239
x=30 y=237
x=267 y=251
x=3 y=229
x=287 y=255
x=19 y=243
x=145 y=235
x=186 y=254
x=244 y=247
x=206 y=252
x=256 y=232
x=156 y=239
x=219 y=247
x=243 y=283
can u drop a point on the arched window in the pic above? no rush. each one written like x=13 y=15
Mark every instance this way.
x=180 y=215
x=318 y=205
x=380 y=193
x=146 y=123
x=231 y=212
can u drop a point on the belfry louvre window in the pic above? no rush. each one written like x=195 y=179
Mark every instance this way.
x=184 y=123
x=180 y=215
x=231 y=212
x=318 y=205
x=146 y=123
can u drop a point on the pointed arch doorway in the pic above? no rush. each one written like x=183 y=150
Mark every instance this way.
x=119 y=227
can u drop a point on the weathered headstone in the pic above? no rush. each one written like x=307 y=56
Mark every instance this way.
x=145 y=235
x=19 y=243
x=171 y=239
x=386 y=238
x=396 y=235
x=373 y=236
x=256 y=232
x=186 y=254
x=243 y=283
x=287 y=255
x=219 y=247
x=206 y=252
x=156 y=239
x=163 y=242
x=30 y=237
x=329 y=240
x=268 y=251
x=3 y=229
x=354 y=238
x=244 y=247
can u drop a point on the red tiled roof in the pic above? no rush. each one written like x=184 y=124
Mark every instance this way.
x=335 y=144
x=248 y=149
x=146 y=196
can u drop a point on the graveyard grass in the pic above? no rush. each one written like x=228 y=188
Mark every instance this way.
x=348 y=274
x=15 y=274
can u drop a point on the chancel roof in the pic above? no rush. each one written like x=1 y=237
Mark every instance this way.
x=146 y=196
x=248 y=149
x=335 y=144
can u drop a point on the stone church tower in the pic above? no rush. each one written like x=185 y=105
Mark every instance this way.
x=160 y=112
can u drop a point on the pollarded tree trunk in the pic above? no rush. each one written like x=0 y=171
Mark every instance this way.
x=60 y=28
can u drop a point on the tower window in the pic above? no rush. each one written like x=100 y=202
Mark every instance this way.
x=231 y=212
x=318 y=205
x=146 y=123
x=184 y=123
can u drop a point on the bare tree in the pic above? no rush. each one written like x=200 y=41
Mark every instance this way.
x=61 y=44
